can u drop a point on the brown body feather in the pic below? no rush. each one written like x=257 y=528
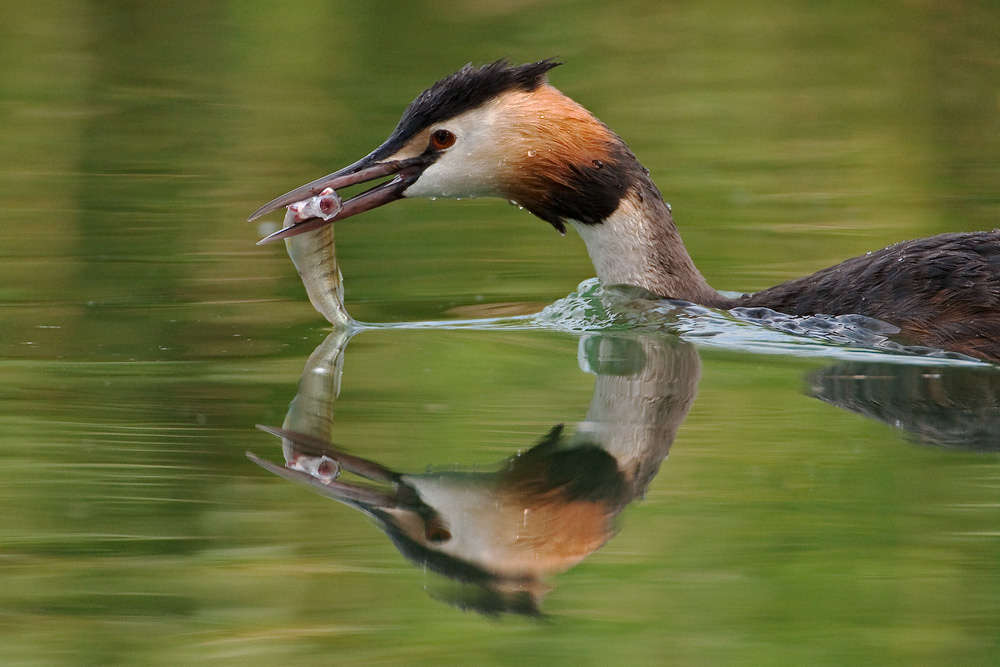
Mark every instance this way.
x=942 y=291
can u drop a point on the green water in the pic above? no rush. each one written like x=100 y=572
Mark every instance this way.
x=143 y=335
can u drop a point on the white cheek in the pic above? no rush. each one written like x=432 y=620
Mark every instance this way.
x=473 y=166
x=455 y=176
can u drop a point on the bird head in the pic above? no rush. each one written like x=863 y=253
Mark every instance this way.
x=494 y=131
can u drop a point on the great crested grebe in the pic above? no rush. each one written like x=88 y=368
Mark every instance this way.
x=502 y=131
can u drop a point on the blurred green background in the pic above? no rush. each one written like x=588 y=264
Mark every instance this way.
x=143 y=334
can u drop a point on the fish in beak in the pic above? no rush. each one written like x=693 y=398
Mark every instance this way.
x=317 y=203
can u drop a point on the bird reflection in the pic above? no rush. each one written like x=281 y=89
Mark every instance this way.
x=499 y=535
x=502 y=533
x=948 y=406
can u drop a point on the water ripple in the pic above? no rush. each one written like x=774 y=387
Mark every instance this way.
x=595 y=307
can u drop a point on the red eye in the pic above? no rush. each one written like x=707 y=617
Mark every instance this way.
x=436 y=531
x=442 y=139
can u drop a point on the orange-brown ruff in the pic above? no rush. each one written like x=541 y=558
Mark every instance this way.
x=503 y=131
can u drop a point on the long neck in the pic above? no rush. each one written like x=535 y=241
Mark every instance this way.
x=638 y=244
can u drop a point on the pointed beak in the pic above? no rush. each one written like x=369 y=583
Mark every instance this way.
x=404 y=173
x=315 y=463
x=359 y=496
x=306 y=450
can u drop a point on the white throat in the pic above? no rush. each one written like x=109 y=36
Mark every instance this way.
x=639 y=245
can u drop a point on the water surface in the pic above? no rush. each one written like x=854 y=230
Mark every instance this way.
x=818 y=505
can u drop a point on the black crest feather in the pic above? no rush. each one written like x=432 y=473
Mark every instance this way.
x=467 y=89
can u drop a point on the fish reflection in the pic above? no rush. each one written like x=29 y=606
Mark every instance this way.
x=948 y=406
x=502 y=533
